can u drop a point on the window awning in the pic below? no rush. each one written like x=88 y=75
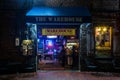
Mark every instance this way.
x=49 y=11
x=61 y=14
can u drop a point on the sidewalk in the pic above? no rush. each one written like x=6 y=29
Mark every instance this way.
x=62 y=75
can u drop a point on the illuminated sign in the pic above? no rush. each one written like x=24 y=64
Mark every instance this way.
x=63 y=31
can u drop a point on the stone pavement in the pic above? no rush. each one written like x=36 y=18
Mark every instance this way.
x=62 y=75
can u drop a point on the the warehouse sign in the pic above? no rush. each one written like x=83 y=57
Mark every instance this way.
x=56 y=31
x=57 y=19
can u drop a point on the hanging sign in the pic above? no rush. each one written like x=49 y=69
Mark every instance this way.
x=56 y=31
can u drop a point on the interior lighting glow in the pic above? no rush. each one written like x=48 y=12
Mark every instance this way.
x=99 y=29
x=51 y=36
x=104 y=29
x=38 y=40
x=50 y=43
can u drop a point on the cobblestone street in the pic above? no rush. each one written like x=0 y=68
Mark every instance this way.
x=62 y=75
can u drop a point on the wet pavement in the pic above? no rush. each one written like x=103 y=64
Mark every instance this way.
x=62 y=75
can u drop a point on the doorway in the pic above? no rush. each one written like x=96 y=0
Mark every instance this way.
x=50 y=42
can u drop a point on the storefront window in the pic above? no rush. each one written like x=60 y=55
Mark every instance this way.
x=103 y=39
